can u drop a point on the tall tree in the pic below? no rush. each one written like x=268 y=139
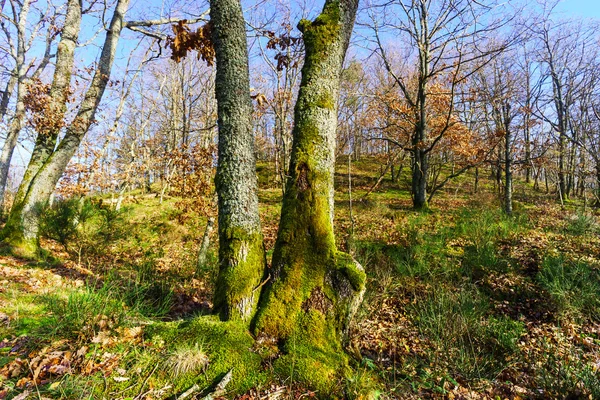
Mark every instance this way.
x=22 y=73
x=313 y=289
x=446 y=37
x=564 y=52
x=51 y=109
x=241 y=249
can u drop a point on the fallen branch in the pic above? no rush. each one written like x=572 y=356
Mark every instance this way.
x=218 y=391
x=220 y=388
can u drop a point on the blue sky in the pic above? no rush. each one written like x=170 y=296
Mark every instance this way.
x=580 y=8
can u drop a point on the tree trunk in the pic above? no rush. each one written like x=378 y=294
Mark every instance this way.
x=21 y=230
x=205 y=242
x=419 y=179
x=7 y=93
x=314 y=289
x=597 y=202
x=10 y=143
x=508 y=190
x=241 y=250
x=17 y=122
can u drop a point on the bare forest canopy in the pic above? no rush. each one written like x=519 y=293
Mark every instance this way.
x=363 y=200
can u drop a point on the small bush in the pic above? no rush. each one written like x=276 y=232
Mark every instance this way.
x=60 y=220
x=580 y=224
x=88 y=224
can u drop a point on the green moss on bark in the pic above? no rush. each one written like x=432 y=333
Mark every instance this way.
x=243 y=260
x=319 y=34
x=13 y=236
x=314 y=288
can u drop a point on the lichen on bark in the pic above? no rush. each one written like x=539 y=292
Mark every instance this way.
x=241 y=249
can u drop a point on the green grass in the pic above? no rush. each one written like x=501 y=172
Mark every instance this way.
x=448 y=277
x=574 y=287
x=459 y=324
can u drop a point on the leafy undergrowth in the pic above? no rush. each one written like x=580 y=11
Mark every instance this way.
x=462 y=302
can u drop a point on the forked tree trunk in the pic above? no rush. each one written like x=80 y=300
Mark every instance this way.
x=22 y=229
x=59 y=92
x=241 y=249
x=313 y=288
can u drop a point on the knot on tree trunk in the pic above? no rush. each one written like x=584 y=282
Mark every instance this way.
x=317 y=301
x=348 y=281
x=302 y=181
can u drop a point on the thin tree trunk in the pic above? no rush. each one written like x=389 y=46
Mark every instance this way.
x=7 y=93
x=17 y=122
x=10 y=144
x=241 y=250
x=597 y=202
x=210 y=224
x=419 y=179
x=508 y=190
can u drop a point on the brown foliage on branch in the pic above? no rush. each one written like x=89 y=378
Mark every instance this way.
x=37 y=101
x=192 y=177
x=186 y=40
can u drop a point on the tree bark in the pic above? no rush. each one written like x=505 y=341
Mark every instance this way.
x=314 y=289
x=203 y=251
x=597 y=202
x=7 y=93
x=241 y=250
x=419 y=179
x=21 y=230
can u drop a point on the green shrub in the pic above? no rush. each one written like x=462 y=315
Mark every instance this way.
x=60 y=220
x=580 y=224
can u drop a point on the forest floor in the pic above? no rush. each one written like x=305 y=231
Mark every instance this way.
x=463 y=302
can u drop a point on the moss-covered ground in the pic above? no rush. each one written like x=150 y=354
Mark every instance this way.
x=461 y=302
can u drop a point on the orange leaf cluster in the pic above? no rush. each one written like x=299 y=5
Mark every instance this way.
x=186 y=40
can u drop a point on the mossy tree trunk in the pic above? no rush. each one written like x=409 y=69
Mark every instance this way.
x=313 y=288
x=22 y=228
x=241 y=249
